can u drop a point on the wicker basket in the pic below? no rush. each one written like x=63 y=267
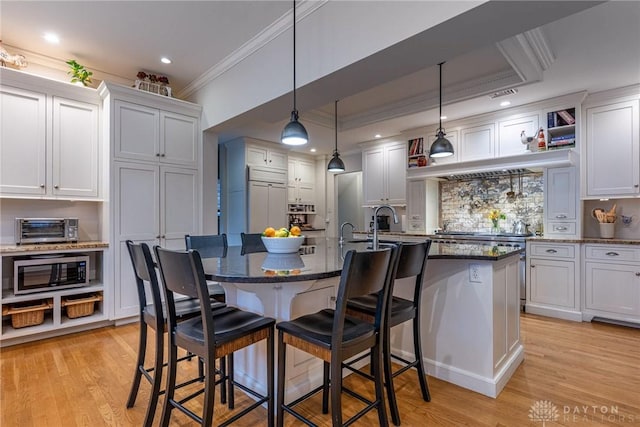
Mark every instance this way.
x=80 y=305
x=27 y=315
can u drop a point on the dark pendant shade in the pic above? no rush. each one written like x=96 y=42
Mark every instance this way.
x=294 y=133
x=336 y=164
x=441 y=147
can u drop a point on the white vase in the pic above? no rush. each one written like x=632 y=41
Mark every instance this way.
x=607 y=230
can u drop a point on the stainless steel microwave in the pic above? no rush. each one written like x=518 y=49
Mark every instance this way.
x=46 y=230
x=39 y=273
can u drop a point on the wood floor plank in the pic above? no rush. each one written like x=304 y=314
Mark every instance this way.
x=589 y=371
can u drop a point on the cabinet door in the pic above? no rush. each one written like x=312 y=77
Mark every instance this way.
x=179 y=205
x=613 y=153
x=373 y=177
x=292 y=182
x=136 y=132
x=552 y=282
x=75 y=148
x=277 y=206
x=258 y=201
x=509 y=134
x=126 y=302
x=561 y=195
x=23 y=136
x=256 y=156
x=179 y=139
x=613 y=288
x=396 y=174
x=277 y=159
x=416 y=205
x=477 y=142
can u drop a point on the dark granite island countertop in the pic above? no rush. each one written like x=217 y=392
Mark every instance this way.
x=322 y=258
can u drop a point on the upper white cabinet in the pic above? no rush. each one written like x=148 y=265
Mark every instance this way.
x=50 y=143
x=258 y=155
x=509 y=134
x=384 y=174
x=301 y=180
x=477 y=142
x=149 y=134
x=613 y=149
x=561 y=202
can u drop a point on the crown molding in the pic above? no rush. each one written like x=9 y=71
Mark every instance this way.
x=529 y=54
x=268 y=34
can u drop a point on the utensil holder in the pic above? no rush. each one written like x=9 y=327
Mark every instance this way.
x=607 y=230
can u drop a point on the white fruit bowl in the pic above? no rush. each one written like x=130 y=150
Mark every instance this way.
x=280 y=262
x=282 y=245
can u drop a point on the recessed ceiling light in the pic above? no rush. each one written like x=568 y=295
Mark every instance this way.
x=443 y=117
x=505 y=103
x=51 y=38
x=313 y=150
x=377 y=135
x=165 y=60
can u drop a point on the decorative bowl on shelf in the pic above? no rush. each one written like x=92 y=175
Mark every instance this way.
x=282 y=245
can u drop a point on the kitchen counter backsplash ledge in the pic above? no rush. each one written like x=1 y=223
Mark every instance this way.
x=51 y=247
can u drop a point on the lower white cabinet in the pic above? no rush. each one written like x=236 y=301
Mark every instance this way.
x=612 y=282
x=553 y=271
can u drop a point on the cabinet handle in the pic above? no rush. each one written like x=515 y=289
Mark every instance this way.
x=551 y=251
x=41 y=185
x=561 y=216
x=561 y=228
x=612 y=254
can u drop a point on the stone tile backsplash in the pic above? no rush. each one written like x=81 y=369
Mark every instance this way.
x=464 y=205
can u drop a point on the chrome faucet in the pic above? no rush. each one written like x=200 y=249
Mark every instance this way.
x=353 y=227
x=374 y=244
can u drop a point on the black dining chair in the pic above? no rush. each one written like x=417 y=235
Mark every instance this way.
x=210 y=246
x=335 y=337
x=211 y=336
x=412 y=262
x=153 y=316
x=252 y=243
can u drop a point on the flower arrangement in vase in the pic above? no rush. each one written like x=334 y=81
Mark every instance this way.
x=153 y=83
x=495 y=215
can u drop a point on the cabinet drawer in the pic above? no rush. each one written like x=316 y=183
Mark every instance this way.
x=554 y=250
x=611 y=253
x=561 y=227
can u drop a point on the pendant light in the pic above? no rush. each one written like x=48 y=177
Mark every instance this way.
x=294 y=133
x=336 y=164
x=441 y=147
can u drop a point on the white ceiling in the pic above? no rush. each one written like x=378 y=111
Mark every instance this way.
x=594 y=49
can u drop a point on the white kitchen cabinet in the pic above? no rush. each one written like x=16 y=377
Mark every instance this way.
x=384 y=175
x=509 y=134
x=561 y=203
x=267 y=203
x=50 y=145
x=156 y=204
x=612 y=282
x=149 y=134
x=422 y=206
x=552 y=280
x=613 y=149
x=301 y=181
x=477 y=142
x=262 y=156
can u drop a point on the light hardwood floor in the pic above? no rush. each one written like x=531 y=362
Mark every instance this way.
x=590 y=372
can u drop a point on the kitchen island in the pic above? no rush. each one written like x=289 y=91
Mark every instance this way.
x=470 y=309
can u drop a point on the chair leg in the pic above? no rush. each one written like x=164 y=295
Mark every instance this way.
x=388 y=378
x=142 y=350
x=171 y=384
x=377 y=369
x=157 y=380
x=325 y=388
x=270 y=375
x=282 y=348
x=230 y=376
x=209 y=391
x=223 y=384
x=422 y=378
x=336 y=392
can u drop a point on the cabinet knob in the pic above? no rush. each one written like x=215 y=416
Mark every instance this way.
x=41 y=185
x=158 y=236
x=56 y=186
x=163 y=236
x=157 y=154
x=269 y=161
x=551 y=251
x=636 y=186
x=612 y=254
x=561 y=216
x=162 y=155
x=637 y=274
x=533 y=266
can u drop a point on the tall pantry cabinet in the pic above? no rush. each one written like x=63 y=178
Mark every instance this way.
x=155 y=178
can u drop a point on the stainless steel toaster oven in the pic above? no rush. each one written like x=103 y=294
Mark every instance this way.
x=46 y=230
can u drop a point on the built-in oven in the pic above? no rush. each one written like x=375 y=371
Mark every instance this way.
x=39 y=273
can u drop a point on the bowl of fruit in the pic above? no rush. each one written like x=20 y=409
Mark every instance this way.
x=282 y=241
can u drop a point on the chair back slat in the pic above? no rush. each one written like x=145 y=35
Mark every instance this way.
x=412 y=259
x=252 y=243
x=144 y=271
x=208 y=246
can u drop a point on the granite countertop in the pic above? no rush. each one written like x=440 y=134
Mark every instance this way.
x=322 y=258
x=52 y=247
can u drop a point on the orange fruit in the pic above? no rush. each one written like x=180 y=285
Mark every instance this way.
x=269 y=232
x=295 y=231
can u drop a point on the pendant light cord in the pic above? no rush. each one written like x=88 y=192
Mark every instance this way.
x=294 y=56
x=440 y=115
x=336 y=125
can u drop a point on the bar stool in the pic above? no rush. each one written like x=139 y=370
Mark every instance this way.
x=211 y=336
x=154 y=318
x=412 y=262
x=335 y=337
x=252 y=243
x=210 y=246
